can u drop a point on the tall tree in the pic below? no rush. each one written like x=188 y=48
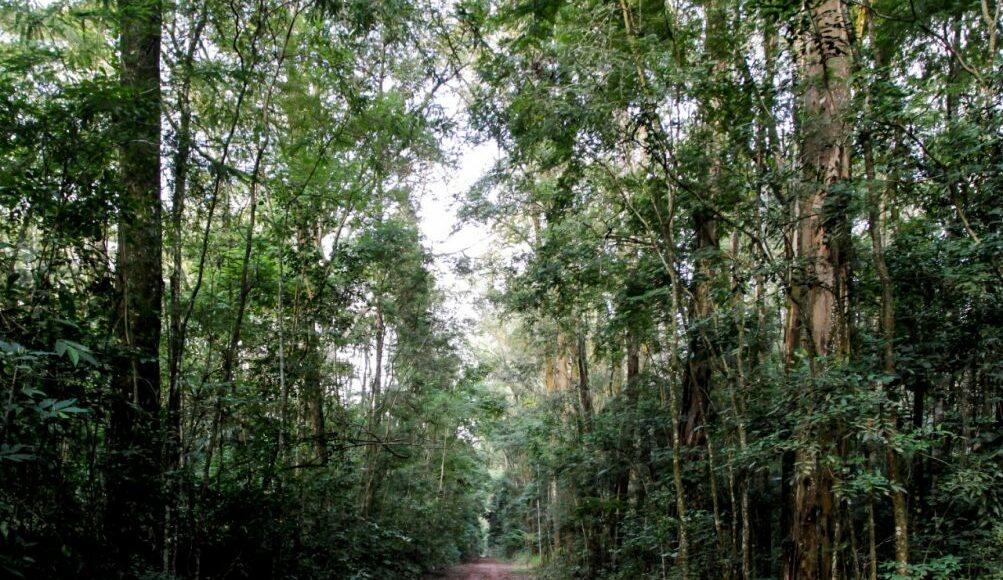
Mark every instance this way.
x=696 y=395
x=819 y=286
x=134 y=508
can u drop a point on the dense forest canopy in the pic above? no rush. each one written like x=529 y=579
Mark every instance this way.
x=740 y=312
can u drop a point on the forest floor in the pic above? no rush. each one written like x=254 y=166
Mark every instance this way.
x=486 y=569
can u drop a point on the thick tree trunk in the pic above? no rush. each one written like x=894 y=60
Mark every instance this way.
x=819 y=290
x=825 y=159
x=624 y=453
x=621 y=483
x=697 y=384
x=133 y=521
x=314 y=387
x=584 y=392
x=312 y=355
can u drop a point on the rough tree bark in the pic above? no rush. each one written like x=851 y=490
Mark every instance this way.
x=133 y=520
x=311 y=352
x=620 y=485
x=697 y=385
x=584 y=392
x=819 y=287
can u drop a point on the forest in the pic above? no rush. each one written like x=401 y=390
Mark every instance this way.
x=723 y=296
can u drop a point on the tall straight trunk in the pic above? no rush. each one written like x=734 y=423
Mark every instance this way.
x=311 y=356
x=584 y=394
x=621 y=481
x=314 y=387
x=697 y=386
x=677 y=477
x=682 y=560
x=722 y=545
x=738 y=395
x=921 y=483
x=825 y=160
x=278 y=456
x=697 y=382
x=378 y=373
x=766 y=158
x=368 y=491
x=592 y=531
x=818 y=291
x=133 y=521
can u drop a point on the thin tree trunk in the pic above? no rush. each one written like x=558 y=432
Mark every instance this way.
x=372 y=453
x=677 y=478
x=887 y=322
x=715 y=503
x=230 y=354
x=872 y=544
x=677 y=471
x=738 y=405
x=887 y=318
x=176 y=346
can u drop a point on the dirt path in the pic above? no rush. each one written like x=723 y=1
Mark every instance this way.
x=486 y=569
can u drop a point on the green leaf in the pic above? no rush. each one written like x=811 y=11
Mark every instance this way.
x=75 y=352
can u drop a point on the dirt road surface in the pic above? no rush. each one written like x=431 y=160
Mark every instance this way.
x=486 y=569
